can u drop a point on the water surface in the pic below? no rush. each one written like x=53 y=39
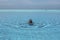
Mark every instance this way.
x=13 y=25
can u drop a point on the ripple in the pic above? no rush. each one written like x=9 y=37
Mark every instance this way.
x=25 y=25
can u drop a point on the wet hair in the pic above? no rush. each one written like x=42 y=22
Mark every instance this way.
x=30 y=22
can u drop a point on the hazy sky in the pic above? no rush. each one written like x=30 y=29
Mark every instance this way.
x=30 y=4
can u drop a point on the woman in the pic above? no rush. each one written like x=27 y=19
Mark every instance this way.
x=30 y=22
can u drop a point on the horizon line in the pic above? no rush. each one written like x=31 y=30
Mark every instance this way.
x=27 y=10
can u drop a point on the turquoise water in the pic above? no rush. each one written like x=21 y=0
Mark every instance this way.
x=13 y=25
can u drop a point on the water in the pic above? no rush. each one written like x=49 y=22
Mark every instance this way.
x=13 y=25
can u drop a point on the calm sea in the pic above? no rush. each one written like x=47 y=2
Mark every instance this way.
x=14 y=25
